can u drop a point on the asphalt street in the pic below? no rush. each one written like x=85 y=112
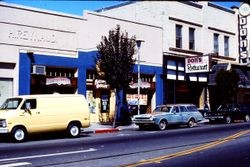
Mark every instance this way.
x=203 y=145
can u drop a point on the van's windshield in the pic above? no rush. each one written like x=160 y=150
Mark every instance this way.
x=12 y=103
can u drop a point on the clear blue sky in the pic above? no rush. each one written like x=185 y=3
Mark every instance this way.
x=76 y=7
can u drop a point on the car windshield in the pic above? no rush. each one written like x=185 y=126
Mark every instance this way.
x=162 y=109
x=227 y=107
x=11 y=103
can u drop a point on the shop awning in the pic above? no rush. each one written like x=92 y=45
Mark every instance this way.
x=215 y=69
x=244 y=74
x=244 y=78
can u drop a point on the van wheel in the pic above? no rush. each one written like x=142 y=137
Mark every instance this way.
x=74 y=130
x=18 y=134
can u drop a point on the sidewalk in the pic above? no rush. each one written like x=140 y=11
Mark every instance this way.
x=99 y=128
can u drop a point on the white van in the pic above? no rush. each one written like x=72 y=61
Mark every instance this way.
x=26 y=114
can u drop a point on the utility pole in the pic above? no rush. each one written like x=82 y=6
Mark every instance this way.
x=138 y=43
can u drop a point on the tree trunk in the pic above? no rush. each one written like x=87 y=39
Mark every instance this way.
x=117 y=102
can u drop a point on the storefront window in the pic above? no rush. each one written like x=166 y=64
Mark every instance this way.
x=56 y=80
x=104 y=103
x=171 y=64
x=91 y=101
x=181 y=75
x=6 y=89
x=171 y=74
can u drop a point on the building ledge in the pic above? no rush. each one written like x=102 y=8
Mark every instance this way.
x=186 y=51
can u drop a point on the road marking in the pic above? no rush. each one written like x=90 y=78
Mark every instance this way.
x=189 y=151
x=151 y=132
x=123 y=134
x=16 y=164
x=48 y=155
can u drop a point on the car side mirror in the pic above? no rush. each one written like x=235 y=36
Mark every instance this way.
x=27 y=106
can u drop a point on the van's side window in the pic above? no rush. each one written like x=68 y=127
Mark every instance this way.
x=29 y=102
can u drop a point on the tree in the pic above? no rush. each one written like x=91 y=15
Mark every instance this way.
x=115 y=62
x=226 y=85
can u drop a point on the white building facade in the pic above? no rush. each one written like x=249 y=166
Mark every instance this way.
x=43 y=52
x=185 y=43
x=196 y=37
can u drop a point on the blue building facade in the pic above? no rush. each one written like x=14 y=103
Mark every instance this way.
x=58 y=73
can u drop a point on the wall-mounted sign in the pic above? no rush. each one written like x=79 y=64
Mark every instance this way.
x=134 y=85
x=32 y=36
x=197 y=64
x=101 y=84
x=244 y=12
x=132 y=99
x=58 y=81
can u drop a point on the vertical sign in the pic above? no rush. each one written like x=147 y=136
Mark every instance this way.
x=244 y=11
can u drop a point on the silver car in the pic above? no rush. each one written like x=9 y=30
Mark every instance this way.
x=169 y=114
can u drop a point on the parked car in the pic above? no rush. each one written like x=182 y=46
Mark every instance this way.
x=229 y=113
x=164 y=115
x=23 y=115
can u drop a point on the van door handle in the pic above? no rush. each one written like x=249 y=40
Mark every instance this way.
x=38 y=112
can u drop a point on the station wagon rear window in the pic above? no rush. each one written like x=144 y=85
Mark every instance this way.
x=192 y=108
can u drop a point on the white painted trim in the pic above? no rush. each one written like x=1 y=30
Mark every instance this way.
x=50 y=53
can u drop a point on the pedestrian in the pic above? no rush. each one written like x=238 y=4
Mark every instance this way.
x=206 y=108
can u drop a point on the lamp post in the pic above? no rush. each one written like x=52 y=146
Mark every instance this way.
x=138 y=44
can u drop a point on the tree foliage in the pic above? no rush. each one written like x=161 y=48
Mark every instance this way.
x=115 y=58
x=115 y=61
x=227 y=84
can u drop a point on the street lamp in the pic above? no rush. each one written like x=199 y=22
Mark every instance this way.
x=138 y=44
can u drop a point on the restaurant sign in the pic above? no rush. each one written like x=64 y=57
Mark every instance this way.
x=244 y=11
x=197 y=64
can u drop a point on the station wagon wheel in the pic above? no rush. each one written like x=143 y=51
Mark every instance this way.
x=191 y=123
x=228 y=119
x=162 y=125
x=18 y=134
x=247 y=118
x=142 y=127
x=74 y=130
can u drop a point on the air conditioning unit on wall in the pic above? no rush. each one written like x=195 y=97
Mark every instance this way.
x=39 y=70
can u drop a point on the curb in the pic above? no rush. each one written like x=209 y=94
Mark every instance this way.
x=99 y=131
x=110 y=130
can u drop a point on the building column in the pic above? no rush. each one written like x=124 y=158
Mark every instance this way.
x=24 y=74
